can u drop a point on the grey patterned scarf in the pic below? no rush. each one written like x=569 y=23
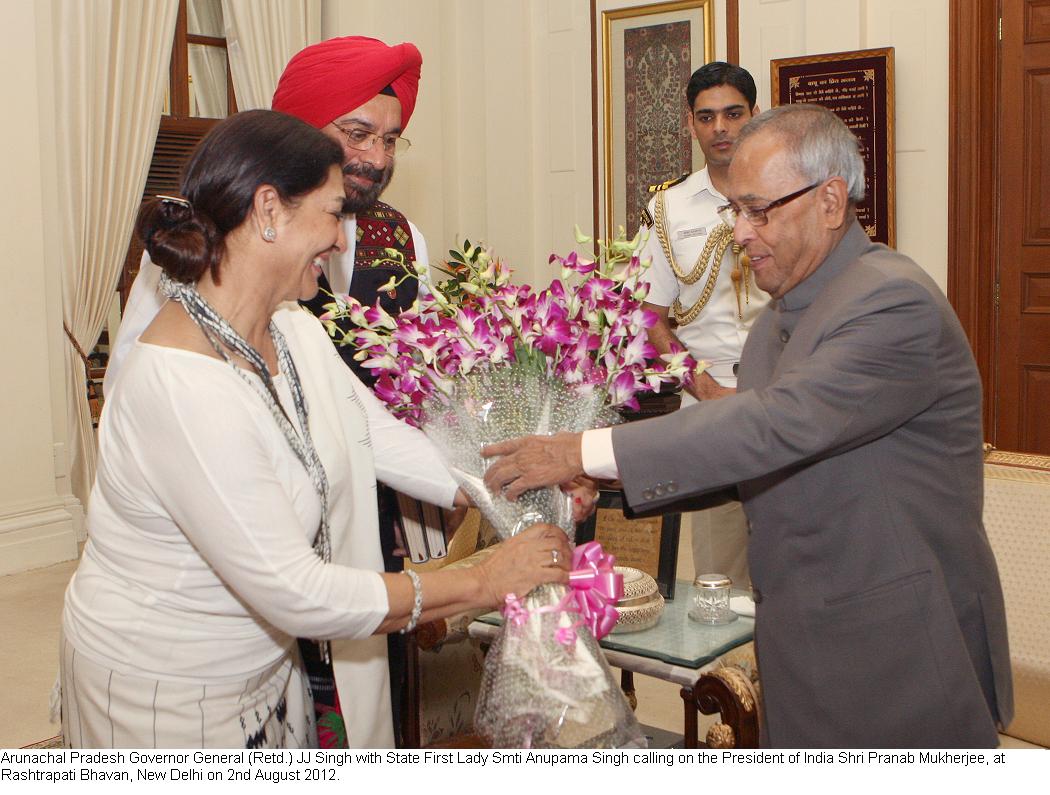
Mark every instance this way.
x=222 y=336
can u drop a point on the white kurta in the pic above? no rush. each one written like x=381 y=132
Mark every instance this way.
x=199 y=564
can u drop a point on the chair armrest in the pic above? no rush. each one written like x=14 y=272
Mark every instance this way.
x=730 y=693
x=732 y=690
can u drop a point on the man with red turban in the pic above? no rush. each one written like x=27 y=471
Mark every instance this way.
x=361 y=93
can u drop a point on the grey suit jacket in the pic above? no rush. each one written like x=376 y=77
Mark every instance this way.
x=856 y=443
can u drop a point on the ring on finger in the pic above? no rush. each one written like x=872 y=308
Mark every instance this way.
x=554 y=556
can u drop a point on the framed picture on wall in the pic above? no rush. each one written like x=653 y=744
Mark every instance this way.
x=644 y=57
x=858 y=87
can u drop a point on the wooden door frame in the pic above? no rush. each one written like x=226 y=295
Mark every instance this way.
x=973 y=240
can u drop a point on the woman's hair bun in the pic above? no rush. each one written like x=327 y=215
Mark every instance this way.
x=181 y=241
x=176 y=210
x=249 y=149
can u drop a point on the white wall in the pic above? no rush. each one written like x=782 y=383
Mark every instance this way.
x=561 y=127
x=501 y=132
x=918 y=32
x=37 y=523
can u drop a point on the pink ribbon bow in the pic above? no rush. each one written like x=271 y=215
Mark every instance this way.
x=595 y=587
x=513 y=610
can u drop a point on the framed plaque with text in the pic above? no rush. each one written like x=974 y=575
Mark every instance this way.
x=858 y=87
x=649 y=544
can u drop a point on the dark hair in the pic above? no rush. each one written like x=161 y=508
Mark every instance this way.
x=247 y=150
x=720 y=73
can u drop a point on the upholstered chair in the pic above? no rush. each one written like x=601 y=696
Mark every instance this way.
x=1017 y=520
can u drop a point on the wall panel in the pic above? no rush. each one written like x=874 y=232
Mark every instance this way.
x=36 y=523
x=918 y=32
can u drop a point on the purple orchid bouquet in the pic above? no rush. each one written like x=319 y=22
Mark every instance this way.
x=478 y=360
x=590 y=333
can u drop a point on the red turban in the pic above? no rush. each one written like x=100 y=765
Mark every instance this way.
x=330 y=78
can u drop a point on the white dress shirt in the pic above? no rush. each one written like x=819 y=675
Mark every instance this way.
x=599 y=459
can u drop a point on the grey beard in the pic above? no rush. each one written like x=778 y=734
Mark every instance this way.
x=358 y=199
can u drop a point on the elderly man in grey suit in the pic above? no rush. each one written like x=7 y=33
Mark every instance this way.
x=855 y=441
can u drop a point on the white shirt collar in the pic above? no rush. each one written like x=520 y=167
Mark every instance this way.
x=700 y=181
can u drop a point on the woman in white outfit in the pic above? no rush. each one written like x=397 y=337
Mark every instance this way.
x=234 y=506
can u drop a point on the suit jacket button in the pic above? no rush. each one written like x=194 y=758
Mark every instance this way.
x=647 y=494
x=658 y=489
x=672 y=487
x=785 y=335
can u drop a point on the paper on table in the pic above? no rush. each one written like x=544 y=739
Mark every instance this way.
x=742 y=606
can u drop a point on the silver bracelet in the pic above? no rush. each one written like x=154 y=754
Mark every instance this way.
x=417 y=601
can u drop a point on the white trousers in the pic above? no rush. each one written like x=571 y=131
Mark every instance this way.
x=719 y=538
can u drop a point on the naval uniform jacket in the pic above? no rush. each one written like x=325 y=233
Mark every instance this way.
x=856 y=443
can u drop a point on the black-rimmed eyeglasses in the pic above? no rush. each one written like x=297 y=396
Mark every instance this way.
x=756 y=216
x=363 y=140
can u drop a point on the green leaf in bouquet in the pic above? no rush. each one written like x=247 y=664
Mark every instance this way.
x=529 y=357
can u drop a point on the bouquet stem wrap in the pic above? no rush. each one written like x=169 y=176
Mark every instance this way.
x=546 y=683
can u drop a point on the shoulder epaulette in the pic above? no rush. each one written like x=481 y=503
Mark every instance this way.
x=647 y=218
x=668 y=184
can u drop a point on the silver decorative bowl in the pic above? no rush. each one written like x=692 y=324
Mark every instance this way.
x=641 y=605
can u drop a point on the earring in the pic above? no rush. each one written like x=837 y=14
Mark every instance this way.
x=269 y=234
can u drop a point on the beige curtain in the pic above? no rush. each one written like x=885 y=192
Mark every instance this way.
x=261 y=37
x=111 y=65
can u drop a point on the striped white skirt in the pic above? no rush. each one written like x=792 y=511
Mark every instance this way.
x=102 y=708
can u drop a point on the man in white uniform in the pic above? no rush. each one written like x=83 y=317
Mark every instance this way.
x=699 y=279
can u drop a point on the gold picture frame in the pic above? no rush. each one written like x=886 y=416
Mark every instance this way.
x=629 y=161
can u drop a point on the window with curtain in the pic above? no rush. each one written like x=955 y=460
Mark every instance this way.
x=200 y=93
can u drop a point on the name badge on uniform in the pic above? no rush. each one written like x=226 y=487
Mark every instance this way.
x=687 y=233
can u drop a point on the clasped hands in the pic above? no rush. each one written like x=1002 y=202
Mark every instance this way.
x=532 y=462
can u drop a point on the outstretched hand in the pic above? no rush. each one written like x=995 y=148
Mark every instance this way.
x=532 y=462
x=584 y=493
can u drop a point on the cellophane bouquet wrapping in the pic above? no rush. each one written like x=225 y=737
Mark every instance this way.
x=478 y=360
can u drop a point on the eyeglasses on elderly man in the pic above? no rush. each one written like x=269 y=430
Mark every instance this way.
x=756 y=216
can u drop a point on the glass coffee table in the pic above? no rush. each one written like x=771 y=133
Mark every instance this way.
x=677 y=650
